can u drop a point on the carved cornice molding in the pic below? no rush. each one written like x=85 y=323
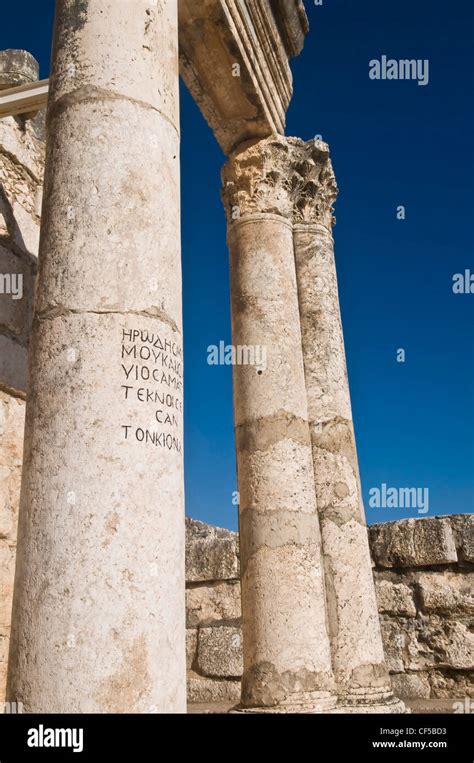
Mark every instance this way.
x=282 y=176
x=293 y=24
x=234 y=58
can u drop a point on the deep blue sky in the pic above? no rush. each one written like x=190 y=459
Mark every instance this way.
x=393 y=143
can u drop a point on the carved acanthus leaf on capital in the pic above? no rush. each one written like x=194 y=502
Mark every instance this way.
x=256 y=180
x=283 y=176
x=315 y=184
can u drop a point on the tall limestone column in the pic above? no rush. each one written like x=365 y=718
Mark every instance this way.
x=287 y=663
x=362 y=679
x=99 y=617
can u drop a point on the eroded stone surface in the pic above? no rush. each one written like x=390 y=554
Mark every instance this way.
x=285 y=633
x=7 y=572
x=12 y=416
x=191 y=647
x=448 y=594
x=395 y=598
x=213 y=690
x=428 y=642
x=104 y=629
x=220 y=651
x=207 y=604
x=425 y=614
x=449 y=683
x=463 y=530
x=211 y=553
x=7 y=563
x=21 y=177
x=356 y=642
x=413 y=543
x=433 y=637
x=17 y=67
x=411 y=685
x=234 y=58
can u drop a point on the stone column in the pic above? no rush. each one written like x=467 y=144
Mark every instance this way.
x=287 y=664
x=361 y=676
x=98 y=617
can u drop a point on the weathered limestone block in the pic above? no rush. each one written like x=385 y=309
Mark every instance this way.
x=26 y=233
x=12 y=419
x=220 y=651
x=208 y=690
x=206 y=604
x=21 y=174
x=449 y=683
x=211 y=553
x=413 y=543
x=234 y=58
x=395 y=598
x=446 y=593
x=411 y=685
x=18 y=67
x=191 y=647
x=425 y=643
x=394 y=641
x=425 y=616
x=24 y=154
x=450 y=642
x=463 y=529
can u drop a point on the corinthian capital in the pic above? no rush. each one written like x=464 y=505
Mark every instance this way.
x=283 y=176
x=315 y=187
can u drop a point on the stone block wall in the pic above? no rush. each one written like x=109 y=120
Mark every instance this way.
x=424 y=576
x=425 y=588
x=213 y=635
x=21 y=177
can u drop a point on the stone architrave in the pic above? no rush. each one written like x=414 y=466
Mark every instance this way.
x=287 y=662
x=99 y=614
x=235 y=60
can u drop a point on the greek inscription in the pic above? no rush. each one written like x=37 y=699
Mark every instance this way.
x=152 y=379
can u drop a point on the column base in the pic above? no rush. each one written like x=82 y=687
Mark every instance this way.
x=324 y=703
x=370 y=701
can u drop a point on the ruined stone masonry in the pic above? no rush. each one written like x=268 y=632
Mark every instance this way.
x=21 y=180
x=98 y=621
x=424 y=579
